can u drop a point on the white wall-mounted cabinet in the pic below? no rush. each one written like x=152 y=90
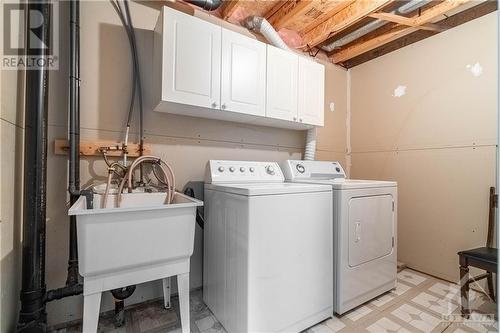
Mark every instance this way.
x=295 y=88
x=243 y=86
x=191 y=60
x=282 y=79
x=204 y=70
x=311 y=92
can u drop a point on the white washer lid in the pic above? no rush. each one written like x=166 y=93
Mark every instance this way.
x=347 y=184
x=268 y=188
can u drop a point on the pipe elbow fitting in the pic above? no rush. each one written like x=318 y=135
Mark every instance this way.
x=253 y=23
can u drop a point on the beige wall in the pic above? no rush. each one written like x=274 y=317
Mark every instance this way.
x=11 y=147
x=437 y=140
x=332 y=139
x=187 y=143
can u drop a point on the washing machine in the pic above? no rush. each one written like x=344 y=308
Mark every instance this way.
x=267 y=248
x=364 y=231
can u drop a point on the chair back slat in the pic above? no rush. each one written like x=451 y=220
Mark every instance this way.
x=491 y=217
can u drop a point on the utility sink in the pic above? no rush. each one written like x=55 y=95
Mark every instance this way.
x=142 y=240
x=142 y=231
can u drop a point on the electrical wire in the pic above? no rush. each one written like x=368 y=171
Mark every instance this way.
x=126 y=20
x=139 y=84
x=118 y=10
x=168 y=178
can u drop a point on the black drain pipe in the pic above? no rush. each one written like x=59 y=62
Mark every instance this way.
x=74 y=136
x=73 y=286
x=32 y=316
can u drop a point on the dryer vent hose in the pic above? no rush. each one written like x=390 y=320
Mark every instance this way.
x=310 y=149
x=262 y=26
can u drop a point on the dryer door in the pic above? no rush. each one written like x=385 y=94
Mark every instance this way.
x=371 y=228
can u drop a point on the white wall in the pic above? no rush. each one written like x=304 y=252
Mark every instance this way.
x=438 y=140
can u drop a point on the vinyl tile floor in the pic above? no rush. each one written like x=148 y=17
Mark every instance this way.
x=420 y=303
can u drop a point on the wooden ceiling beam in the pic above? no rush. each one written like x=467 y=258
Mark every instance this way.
x=287 y=12
x=448 y=23
x=297 y=15
x=249 y=7
x=405 y=21
x=346 y=17
x=369 y=44
x=364 y=45
x=325 y=15
x=277 y=7
x=438 y=10
x=229 y=7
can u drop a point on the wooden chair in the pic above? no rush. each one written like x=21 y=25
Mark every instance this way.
x=483 y=258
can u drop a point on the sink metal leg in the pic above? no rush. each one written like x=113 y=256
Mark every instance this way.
x=166 y=292
x=183 y=286
x=91 y=306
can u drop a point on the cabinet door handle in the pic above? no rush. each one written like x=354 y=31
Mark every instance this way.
x=214 y=105
x=223 y=106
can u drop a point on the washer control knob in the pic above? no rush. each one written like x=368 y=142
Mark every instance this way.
x=231 y=169
x=270 y=169
x=242 y=169
x=252 y=169
x=300 y=168
x=221 y=169
x=337 y=169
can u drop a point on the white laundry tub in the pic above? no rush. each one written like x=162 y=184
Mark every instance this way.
x=143 y=231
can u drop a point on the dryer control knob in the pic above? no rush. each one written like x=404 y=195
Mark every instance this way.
x=221 y=169
x=270 y=169
x=252 y=169
x=231 y=169
x=242 y=169
x=300 y=168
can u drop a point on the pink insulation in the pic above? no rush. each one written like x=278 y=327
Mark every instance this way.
x=237 y=15
x=291 y=38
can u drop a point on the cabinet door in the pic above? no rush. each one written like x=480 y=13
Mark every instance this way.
x=311 y=92
x=282 y=76
x=192 y=55
x=243 y=86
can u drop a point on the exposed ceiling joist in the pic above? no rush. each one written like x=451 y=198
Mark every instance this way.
x=341 y=20
x=240 y=9
x=364 y=45
x=298 y=15
x=277 y=7
x=405 y=21
x=449 y=22
x=438 y=10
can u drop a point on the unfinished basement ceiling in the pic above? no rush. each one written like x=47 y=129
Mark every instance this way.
x=351 y=32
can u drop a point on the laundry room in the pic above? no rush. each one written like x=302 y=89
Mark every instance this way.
x=249 y=166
